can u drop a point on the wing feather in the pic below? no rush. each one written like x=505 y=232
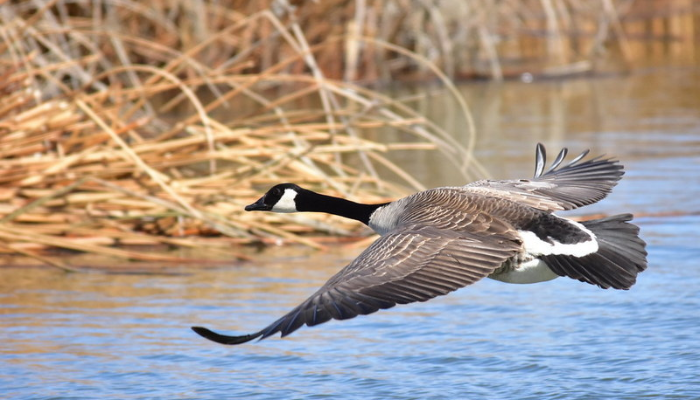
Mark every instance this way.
x=411 y=264
x=574 y=185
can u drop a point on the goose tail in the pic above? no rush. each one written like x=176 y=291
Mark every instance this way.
x=621 y=255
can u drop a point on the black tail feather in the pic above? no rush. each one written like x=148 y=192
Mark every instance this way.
x=620 y=257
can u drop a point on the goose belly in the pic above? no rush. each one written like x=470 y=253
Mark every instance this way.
x=532 y=271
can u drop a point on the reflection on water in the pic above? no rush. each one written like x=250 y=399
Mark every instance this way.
x=126 y=336
x=648 y=116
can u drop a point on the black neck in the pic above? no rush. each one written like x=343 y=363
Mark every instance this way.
x=315 y=202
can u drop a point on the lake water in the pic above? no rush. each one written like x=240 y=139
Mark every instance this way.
x=121 y=336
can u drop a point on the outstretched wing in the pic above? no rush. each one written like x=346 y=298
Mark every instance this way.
x=574 y=185
x=412 y=264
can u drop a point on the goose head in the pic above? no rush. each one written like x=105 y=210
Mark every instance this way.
x=289 y=198
x=280 y=198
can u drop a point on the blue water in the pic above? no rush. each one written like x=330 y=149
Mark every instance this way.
x=117 y=336
x=100 y=338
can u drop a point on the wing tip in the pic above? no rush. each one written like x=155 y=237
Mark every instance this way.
x=224 y=339
x=540 y=159
x=612 y=164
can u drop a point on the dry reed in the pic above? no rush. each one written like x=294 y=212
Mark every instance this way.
x=100 y=148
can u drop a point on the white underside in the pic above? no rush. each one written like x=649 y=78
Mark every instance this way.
x=532 y=271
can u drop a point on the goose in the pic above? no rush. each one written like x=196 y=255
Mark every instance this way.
x=439 y=240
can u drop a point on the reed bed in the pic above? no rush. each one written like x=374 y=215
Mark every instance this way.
x=126 y=124
x=118 y=129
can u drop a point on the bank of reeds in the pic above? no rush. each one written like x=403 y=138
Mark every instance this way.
x=154 y=123
x=108 y=138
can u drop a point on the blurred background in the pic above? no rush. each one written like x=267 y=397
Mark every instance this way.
x=132 y=134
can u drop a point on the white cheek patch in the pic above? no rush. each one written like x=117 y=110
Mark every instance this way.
x=286 y=203
x=538 y=247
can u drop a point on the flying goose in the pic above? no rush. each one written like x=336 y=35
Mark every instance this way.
x=439 y=240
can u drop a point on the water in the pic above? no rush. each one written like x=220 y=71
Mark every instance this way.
x=120 y=336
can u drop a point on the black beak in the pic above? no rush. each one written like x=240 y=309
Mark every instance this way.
x=258 y=205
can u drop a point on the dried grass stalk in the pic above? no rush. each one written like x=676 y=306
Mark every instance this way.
x=99 y=150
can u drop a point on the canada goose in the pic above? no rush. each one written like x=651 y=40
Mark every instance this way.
x=439 y=240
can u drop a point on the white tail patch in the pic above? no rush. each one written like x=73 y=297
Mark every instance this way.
x=286 y=203
x=538 y=247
